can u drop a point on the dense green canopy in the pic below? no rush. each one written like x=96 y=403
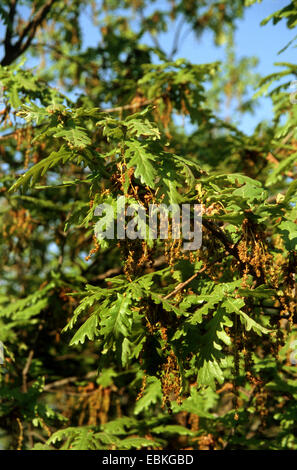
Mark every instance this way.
x=132 y=344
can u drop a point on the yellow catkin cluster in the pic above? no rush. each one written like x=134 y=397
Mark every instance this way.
x=136 y=255
x=143 y=386
x=68 y=300
x=253 y=253
x=194 y=422
x=99 y=404
x=276 y=269
x=21 y=434
x=93 y=404
x=129 y=259
x=145 y=255
x=256 y=259
x=19 y=137
x=93 y=250
x=19 y=224
x=261 y=398
x=173 y=251
x=165 y=117
x=171 y=381
x=28 y=147
x=206 y=442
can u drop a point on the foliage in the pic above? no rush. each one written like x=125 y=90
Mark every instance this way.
x=121 y=344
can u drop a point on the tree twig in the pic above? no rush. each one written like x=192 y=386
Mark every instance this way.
x=114 y=271
x=9 y=29
x=26 y=370
x=176 y=37
x=127 y=106
x=184 y=284
x=220 y=235
x=13 y=51
x=60 y=383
